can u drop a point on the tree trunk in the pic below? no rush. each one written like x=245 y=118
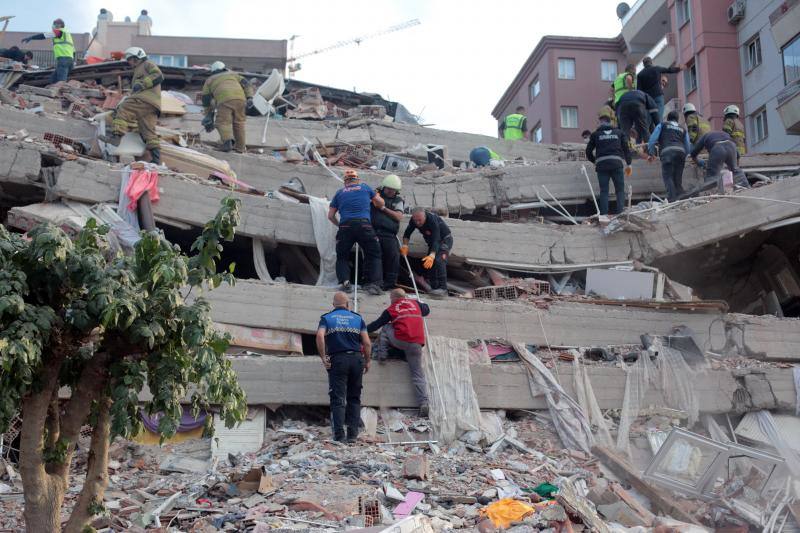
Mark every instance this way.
x=96 y=470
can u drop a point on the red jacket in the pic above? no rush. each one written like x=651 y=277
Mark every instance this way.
x=406 y=316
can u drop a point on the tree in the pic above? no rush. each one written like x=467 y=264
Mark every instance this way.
x=77 y=314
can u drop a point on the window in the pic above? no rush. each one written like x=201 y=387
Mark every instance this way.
x=566 y=68
x=752 y=53
x=569 y=117
x=791 y=61
x=534 y=89
x=168 y=61
x=690 y=78
x=608 y=70
x=684 y=11
x=759 y=125
x=537 y=133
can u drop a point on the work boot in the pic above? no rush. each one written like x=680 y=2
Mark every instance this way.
x=424 y=409
x=438 y=293
x=346 y=286
x=374 y=289
x=352 y=436
x=339 y=437
x=110 y=138
x=227 y=146
x=155 y=156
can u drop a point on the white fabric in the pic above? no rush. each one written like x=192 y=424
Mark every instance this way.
x=767 y=425
x=588 y=401
x=796 y=373
x=131 y=217
x=325 y=237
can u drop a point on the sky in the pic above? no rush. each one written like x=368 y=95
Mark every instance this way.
x=451 y=69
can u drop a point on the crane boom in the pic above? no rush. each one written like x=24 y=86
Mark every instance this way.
x=357 y=40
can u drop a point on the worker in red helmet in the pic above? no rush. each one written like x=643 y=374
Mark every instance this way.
x=63 y=49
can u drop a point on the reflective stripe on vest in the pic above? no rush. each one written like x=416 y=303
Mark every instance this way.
x=513 y=129
x=63 y=46
x=619 y=86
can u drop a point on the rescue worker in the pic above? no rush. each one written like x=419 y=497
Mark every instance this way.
x=483 y=156
x=63 y=49
x=402 y=327
x=721 y=150
x=15 y=54
x=623 y=83
x=231 y=95
x=673 y=144
x=608 y=150
x=696 y=125
x=143 y=106
x=734 y=127
x=352 y=202
x=515 y=126
x=440 y=243
x=636 y=110
x=344 y=347
x=609 y=111
x=649 y=80
x=386 y=222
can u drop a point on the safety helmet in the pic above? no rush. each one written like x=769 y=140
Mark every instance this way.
x=217 y=66
x=350 y=174
x=731 y=110
x=135 y=51
x=689 y=108
x=392 y=182
x=605 y=112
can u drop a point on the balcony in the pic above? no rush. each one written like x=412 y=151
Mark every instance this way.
x=789 y=107
x=644 y=25
x=785 y=22
x=663 y=53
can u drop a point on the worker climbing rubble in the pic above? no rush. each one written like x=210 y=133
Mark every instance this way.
x=721 y=153
x=608 y=150
x=673 y=144
x=440 y=243
x=696 y=125
x=352 y=202
x=142 y=107
x=63 y=49
x=734 y=127
x=231 y=95
x=637 y=113
x=402 y=327
x=386 y=222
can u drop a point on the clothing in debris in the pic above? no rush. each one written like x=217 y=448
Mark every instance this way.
x=620 y=85
x=721 y=153
x=608 y=150
x=63 y=51
x=696 y=125
x=140 y=182
x=343 y=329
x=386 y=229
x=402 y=328
x=482 y=156
x=514 y=127
x=440 y=242
x=649 y=81
x=674 y=146
x=229 y=92
x=14 y=54
x=637 y=110
x=142 y=107
x=734 y=127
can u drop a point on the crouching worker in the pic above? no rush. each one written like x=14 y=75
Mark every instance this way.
x=440 y=243
x=402 y=328
x=140 y=109
x=230 y=94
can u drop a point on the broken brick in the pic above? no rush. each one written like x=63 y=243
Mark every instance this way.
x=416 y=467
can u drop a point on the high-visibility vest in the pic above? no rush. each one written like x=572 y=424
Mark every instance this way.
x=63 y=46
x=513 y=130
x=619 y=86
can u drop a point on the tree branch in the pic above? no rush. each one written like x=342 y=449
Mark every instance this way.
x=52 y=424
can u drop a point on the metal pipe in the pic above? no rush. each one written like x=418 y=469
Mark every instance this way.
x=586 y=174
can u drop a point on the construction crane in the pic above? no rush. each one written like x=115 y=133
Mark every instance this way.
x=293 y=66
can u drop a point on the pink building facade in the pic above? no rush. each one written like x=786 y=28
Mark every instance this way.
x=562 y=85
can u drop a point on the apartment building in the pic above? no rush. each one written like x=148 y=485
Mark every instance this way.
x=562 y=85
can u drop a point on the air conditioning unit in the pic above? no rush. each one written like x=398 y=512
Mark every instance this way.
x=736 y=11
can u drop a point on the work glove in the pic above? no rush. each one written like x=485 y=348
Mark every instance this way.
x=208 y=122
x=427 y=261
x=249 y=104
x=628 y=171
x=137 y=87
x=26 y=40
x=404 y=250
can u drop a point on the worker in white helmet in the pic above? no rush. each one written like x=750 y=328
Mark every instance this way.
x=227 y=94
x=140 y=109
x=386 y=221
x=734 y=127
x=696 y=125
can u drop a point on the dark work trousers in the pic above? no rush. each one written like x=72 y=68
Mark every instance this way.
x=672 y=163
x=724 y=154
x=62 y=69
x=358 y=230
x=633 y=115
x=437 y=276
x=344 y=389
x=390 y=257
x=605 y=177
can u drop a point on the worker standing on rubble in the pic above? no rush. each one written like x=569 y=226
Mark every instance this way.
x=63 y=49
x=673 y=144
x=608 y=150
x=637 y=111
x=143 y=106
x=352 y=202
x=386 y=222
x=344 y=347
x=515 y=126
x=230 y=94
x=623 y=83
x=721 y=150
x=440 y=243
x=402 y=327
x=696 y=125
x=649 y=81
x=734 y=127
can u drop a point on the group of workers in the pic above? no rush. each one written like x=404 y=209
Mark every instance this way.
x=371 y=219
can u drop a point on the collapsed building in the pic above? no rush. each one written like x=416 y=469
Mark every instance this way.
x=683 y=312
